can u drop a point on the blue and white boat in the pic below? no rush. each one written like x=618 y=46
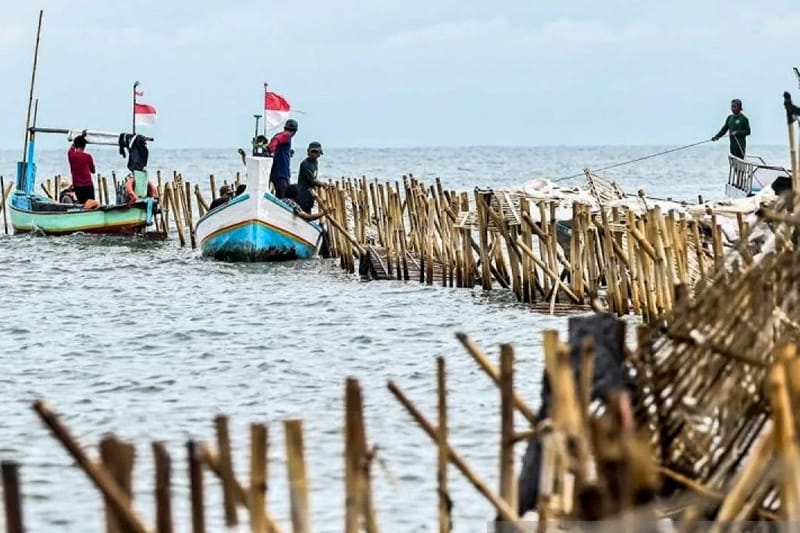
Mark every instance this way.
x=255 y=225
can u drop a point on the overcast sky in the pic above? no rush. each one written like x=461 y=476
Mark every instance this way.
x=386 y=73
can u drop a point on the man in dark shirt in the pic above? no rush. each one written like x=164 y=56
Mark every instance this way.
x=307 y=177
x=738 y=128
x=223 y=198
x=81 y=166
x=280 y=147
x=291 y=194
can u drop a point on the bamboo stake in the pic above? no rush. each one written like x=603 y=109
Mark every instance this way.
x=226 y=466
x=175 y=215
x=99 y=476
x=445 y=523
x=506 y=513
x=353 y=481
x=163 y=498
x=187 y=213
x=5 y=200
x=508 y=485
x=105 y=191
x=258 y=478
x=196 y=487
x=117 y=458
x=298 y=485
x=12 y=502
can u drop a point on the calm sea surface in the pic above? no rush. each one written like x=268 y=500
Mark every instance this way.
x=150 y=341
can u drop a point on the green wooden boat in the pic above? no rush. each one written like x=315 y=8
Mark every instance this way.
x=31 y=212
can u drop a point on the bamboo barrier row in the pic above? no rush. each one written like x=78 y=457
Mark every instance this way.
x=423 y=232
x=111 y=474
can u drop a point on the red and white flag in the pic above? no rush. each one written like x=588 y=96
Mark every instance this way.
x=276 y=109
x=144 y=115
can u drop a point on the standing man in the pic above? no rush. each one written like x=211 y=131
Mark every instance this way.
x=81 y=166
x=738 y=128
x=280 y=147
x=307 y=177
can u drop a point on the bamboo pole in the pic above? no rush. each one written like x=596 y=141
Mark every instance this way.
x=163 y=497
x=506 y=513
x=117 y=458
x=5 y=200
x=99 y=476
x=298 y=484
x=187 y=212
x=105 y=191
x=175 y=213
x=226 y=466
x=353 y=481
x=196 y=487
x=12 y=502
x=445 y=523
x=508 y=485
x=258 y=478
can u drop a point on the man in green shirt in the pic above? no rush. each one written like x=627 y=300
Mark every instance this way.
x=738 y=128
x=307 y=177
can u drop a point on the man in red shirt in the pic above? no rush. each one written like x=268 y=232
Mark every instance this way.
x=81 y=165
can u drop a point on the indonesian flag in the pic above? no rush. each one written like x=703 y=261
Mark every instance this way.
x=276 y=109
x=144 y=115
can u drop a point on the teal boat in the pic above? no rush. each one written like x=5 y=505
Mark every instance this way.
x=31 y=212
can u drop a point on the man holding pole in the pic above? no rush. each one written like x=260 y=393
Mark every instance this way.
x=738 y=128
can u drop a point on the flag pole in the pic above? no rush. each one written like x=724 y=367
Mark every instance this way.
x=133 y=110
x=265 y=108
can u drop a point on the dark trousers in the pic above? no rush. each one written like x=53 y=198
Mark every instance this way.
x=737 y=148
x=281 y=184
x=84 y=193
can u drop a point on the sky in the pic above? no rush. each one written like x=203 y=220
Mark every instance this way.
x=380 y=73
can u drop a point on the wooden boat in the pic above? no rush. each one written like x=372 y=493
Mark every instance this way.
x=255 y=225
x=32 y=212
x=747 y=177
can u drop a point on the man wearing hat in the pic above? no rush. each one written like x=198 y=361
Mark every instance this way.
x=738 y=128
x=280 y=147
x=224 y=197
x=307 y=177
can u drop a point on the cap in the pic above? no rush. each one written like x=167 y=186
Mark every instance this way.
x=315 y=146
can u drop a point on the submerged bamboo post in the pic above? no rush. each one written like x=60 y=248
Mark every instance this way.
x=105 y=191
x=4 y=194
x=99 y=476
x=226 y=465
x=441 y=443
x=117 y=458
x=298 y=484
x=12 y=502
x=163 y=497
x=196 y=487
x=258 y=478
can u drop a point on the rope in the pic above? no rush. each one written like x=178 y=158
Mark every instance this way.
x=635 y=160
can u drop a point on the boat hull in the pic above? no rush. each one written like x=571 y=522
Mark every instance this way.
x=256 y=226
x=119 y=220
